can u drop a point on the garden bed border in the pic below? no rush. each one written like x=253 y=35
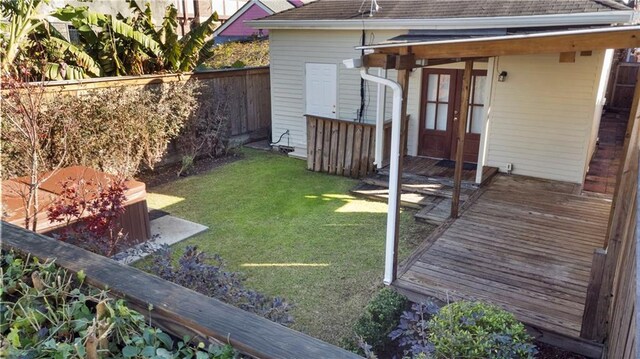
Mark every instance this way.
x=175 y=309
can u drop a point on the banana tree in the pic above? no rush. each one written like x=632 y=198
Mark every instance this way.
x=20 y=20
x=27 y=34
x=116 y=46
x=178 y=54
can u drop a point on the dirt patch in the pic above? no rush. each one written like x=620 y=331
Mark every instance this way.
x=169 y=173
x=546 y=351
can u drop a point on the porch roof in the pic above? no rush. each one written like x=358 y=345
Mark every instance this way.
x=569 y=40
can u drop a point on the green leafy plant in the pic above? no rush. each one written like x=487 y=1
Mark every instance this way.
x=46 y=312
x=240 y=54
x=135 y=45
x=30 y=45
x=186 y=165
x=478 y=330
x=379 y=319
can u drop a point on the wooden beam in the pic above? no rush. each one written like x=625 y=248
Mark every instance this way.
x=628 y=38
x=568 y=57
x=403 y=81
x=389 y=61
x=462 y=130
x=405 y=62
x=384 y=61
x=621 y=221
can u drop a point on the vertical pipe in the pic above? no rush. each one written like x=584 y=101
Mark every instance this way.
x=394 y=176
x=381 y=102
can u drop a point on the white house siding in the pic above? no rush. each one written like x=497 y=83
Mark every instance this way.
x=289 y=51
x=541 y=117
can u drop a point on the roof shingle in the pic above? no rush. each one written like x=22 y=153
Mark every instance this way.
x=434 y=9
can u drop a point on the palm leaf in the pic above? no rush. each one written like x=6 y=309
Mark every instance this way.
x=195 y=41
x=53 y=71
x=169 y=38
x=83 y=59
x=143 y=17
x=206 y=52
x=83 y=16
x=123 y=29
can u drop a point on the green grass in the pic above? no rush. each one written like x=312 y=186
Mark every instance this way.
x=294 y=233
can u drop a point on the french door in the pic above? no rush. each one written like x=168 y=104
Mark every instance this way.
x=440 y=109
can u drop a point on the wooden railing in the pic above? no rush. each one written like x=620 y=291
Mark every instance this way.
x=177 y=310
x=344 y=148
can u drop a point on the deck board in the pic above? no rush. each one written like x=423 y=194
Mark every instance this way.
x=525 y=245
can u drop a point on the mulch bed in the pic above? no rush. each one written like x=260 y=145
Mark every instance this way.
x=169 y=173
x=546 y=351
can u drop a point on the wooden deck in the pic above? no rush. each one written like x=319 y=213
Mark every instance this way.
x=521 y=243
x=441 y=171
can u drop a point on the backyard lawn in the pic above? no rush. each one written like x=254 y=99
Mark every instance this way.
x=293 y=233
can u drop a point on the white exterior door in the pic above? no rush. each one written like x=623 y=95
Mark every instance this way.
x=321 y=89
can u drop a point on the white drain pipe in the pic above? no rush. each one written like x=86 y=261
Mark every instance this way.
x=394 y=175
x=381 y=104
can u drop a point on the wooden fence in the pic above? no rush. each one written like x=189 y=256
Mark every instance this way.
x=177 y=310
x=624 y=81
x=344 y=148
x=610 y=306
x=248 y=91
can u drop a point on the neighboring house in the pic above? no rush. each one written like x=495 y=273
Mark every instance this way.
x=187 y=11
x=226 y=8
x=235 y=29
x=543 y=118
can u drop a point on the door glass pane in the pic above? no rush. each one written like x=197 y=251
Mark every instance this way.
x=443 y=94
x=478 y=90
x=441 y=123
x=477 y=119
x=432 y=87
x=430 y=121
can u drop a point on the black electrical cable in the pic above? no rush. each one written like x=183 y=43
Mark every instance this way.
x=279 y=139
x=362 y=100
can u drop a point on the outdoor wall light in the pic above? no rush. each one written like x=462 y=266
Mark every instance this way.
x=502 y=77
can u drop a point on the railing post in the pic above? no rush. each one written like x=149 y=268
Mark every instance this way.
x=592 y=328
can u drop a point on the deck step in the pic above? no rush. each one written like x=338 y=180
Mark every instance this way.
x=407 y=199
x=414 y=178
x=436 y=213
x=416 y=185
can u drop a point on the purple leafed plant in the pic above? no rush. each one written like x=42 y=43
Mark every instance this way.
x=412 y=332
x=206 y=275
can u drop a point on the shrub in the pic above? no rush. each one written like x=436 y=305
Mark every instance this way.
x=380 y=317
x=412 y=332
x=47 y=312
x=207 y=132
x=116 y=130
x=193 y=272
x=120 y=130
x=89 y=212
x=478 y=330
x=239 y=54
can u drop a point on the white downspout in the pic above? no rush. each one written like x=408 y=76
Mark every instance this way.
x=394 y=175
x=381 y=104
